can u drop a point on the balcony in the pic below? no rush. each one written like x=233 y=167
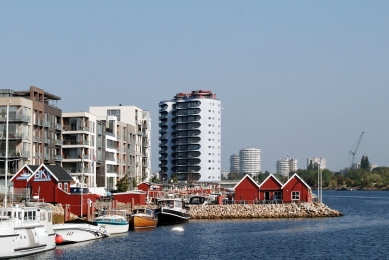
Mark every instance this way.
x=11 y=153
x=75 y=128
x=37 y=139
x=58 y=158
x=75 y=142
x=58 y=142
x=47 y=156
x=19 y=118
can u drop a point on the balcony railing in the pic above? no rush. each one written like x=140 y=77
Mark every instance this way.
x=75 y=142
x=11 y=153
x=58 y=158
x=58 y=142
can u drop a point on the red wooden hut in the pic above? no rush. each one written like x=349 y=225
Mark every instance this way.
x=51 y=183
x=270 y=189
x=247 y=190
x=126 y=197
x=296 y=190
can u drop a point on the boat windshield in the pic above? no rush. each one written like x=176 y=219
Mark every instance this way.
x=177 y=204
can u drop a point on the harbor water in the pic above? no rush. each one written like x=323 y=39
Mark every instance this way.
x=363 y=233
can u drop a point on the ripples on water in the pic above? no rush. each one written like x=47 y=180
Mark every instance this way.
x=363 y=233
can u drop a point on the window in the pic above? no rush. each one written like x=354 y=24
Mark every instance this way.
x=60 y=186
x=295 y=195
x=66 y=187
x=278 y=195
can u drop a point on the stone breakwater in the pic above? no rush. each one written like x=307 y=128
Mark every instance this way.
x=292 y=210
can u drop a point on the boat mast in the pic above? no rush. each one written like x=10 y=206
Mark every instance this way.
x=82 y=174
x=6 y=158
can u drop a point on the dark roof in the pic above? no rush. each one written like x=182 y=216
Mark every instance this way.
x=59 y=172
x=33 y=167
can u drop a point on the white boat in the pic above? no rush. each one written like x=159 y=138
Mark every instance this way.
x=79 y=231
x=113 y=220
x=25 y=230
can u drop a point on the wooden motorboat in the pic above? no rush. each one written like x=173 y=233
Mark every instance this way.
x=143 y=218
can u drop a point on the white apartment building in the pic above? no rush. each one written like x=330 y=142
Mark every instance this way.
x=190 y=137
x=126 y=147
x=250 y=160
x=79 y=145
x=317 y=160
x=34 y=129
x=234 y=163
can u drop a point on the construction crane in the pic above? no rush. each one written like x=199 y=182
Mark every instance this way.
x=356 y=148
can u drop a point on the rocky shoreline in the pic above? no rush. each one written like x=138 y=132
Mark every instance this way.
x=236 y=211
x=290 y=210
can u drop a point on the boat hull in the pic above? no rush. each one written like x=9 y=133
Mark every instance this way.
x=113 y=228
x=171 y=217
x=20 y=242
x=75 y=233
x=138 y=222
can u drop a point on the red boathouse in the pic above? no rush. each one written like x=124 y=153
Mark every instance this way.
x=270 y=189
x=51 y=183
x=296 y=190
x=246 y=190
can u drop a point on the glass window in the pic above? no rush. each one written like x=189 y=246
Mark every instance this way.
x=295 y=195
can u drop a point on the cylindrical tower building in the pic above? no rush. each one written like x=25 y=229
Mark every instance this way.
x=250 y=160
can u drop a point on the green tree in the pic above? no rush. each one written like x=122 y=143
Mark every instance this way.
x=235 y=175
x=123 y=184
x=155 y=179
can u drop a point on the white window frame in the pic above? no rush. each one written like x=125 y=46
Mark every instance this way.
x=295 y=195
x=60 y=185
x=65 y=186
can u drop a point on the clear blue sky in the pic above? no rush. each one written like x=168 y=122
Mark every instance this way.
x=297 y=77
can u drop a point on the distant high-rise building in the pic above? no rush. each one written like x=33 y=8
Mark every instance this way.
x=250 y=160
x=234 y=163
x=282 y=167
x=317 y=160
x=293 y=164
x=286 y=165
x=190 y=137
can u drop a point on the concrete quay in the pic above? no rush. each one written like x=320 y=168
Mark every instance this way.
x=290 y=210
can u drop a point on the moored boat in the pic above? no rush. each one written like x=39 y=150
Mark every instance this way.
x=143 y=218
x=113 y=220
x=171 y=211
x=25 y=230
x=76 y=231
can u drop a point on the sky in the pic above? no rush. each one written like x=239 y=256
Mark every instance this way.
x=296 y=78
